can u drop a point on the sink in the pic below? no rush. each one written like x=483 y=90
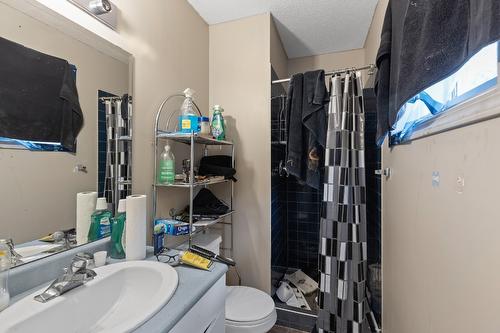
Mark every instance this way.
x=121 y=297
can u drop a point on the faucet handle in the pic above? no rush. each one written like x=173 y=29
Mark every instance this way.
x=84 y=256
x=82 y=261
x=62 y=236
x=15 y=257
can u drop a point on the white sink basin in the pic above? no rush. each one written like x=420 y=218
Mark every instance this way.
x=120 y=298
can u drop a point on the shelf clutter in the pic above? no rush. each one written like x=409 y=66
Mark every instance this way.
x=207 y=181
x=204 y=209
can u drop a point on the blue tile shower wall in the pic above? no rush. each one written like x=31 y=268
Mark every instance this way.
x=373 y=193
x=303 y=217
x=278 y=216
x=373 y=182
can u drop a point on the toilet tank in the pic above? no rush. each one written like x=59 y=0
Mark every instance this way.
x=208 y=240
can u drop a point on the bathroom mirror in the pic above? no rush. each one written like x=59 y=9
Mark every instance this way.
x=40 y=181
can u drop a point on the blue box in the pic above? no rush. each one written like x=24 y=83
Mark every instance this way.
x=174 y=227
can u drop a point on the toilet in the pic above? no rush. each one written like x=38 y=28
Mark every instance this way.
x=249 y=310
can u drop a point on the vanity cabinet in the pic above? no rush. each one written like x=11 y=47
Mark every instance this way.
x=208 y=314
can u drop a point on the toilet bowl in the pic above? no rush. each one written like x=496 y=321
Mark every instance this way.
x=249 y=310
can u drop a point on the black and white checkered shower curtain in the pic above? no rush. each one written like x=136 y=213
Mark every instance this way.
x=118 y=128
x=343 y=242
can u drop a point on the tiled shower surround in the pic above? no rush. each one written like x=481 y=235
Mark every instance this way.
x=296 y=210
x=303 y=205
x=295 y=207
x=295 y=222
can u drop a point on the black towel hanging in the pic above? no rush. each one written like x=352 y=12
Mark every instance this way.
x=38 y=97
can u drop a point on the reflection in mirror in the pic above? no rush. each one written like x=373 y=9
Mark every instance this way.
x=65 y=137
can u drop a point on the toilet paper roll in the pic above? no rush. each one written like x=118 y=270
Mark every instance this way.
x=85 y=206
x=135 y=231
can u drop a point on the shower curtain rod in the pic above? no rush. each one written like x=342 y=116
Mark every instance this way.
x=370 y=68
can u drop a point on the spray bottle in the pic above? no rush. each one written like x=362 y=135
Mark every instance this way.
x=188 y=120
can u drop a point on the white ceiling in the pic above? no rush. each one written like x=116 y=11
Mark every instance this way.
x=306 y=27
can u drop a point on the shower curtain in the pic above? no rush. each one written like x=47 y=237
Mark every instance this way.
x=343 y=242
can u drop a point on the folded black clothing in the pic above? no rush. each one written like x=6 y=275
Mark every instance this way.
x=217 y=165
x=206 y=203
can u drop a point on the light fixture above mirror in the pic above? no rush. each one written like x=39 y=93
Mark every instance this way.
x=102 y=10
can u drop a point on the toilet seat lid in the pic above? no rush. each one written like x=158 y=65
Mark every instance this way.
x=246 y=304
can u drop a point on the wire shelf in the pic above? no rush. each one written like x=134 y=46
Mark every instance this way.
x=195 y=184
x=208 y=223
x=198 y=139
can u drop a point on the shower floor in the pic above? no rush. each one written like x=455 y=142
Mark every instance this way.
x=277 y=276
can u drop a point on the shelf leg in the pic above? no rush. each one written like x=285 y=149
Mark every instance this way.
x=118 y=107
x=191 y=190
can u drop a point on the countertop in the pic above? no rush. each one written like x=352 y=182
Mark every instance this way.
x=193 y=284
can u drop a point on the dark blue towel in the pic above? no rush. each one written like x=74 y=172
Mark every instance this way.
x=306 y=116
x=423 y=42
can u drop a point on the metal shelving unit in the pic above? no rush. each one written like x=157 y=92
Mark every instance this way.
x=162 y=133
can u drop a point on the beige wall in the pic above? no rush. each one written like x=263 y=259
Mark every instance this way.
x=440 y=246
x=328 y=62
x=279 y=59
x=240 y=82
x=373 y=38
x=38 y=191
x=169 y=42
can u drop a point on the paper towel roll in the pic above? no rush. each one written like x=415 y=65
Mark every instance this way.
x=135 y=231
x=85 y=206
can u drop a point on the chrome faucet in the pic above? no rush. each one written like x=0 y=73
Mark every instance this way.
x=60 y=236
x=79 y=273
x=15 y=258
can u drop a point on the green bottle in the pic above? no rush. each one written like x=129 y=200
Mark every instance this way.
x=100 y=225
x=166 y=170
x=118 y=231
x=218 y=126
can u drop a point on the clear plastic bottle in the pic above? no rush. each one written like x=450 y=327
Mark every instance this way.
x=166 y=171
x=4 y=274
x=188 y=120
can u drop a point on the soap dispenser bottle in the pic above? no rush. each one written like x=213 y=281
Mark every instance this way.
x=166 y=170
x=118 y=231
x=218 y=125
x=100 y=225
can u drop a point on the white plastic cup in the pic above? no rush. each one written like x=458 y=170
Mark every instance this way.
x=100 y=258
